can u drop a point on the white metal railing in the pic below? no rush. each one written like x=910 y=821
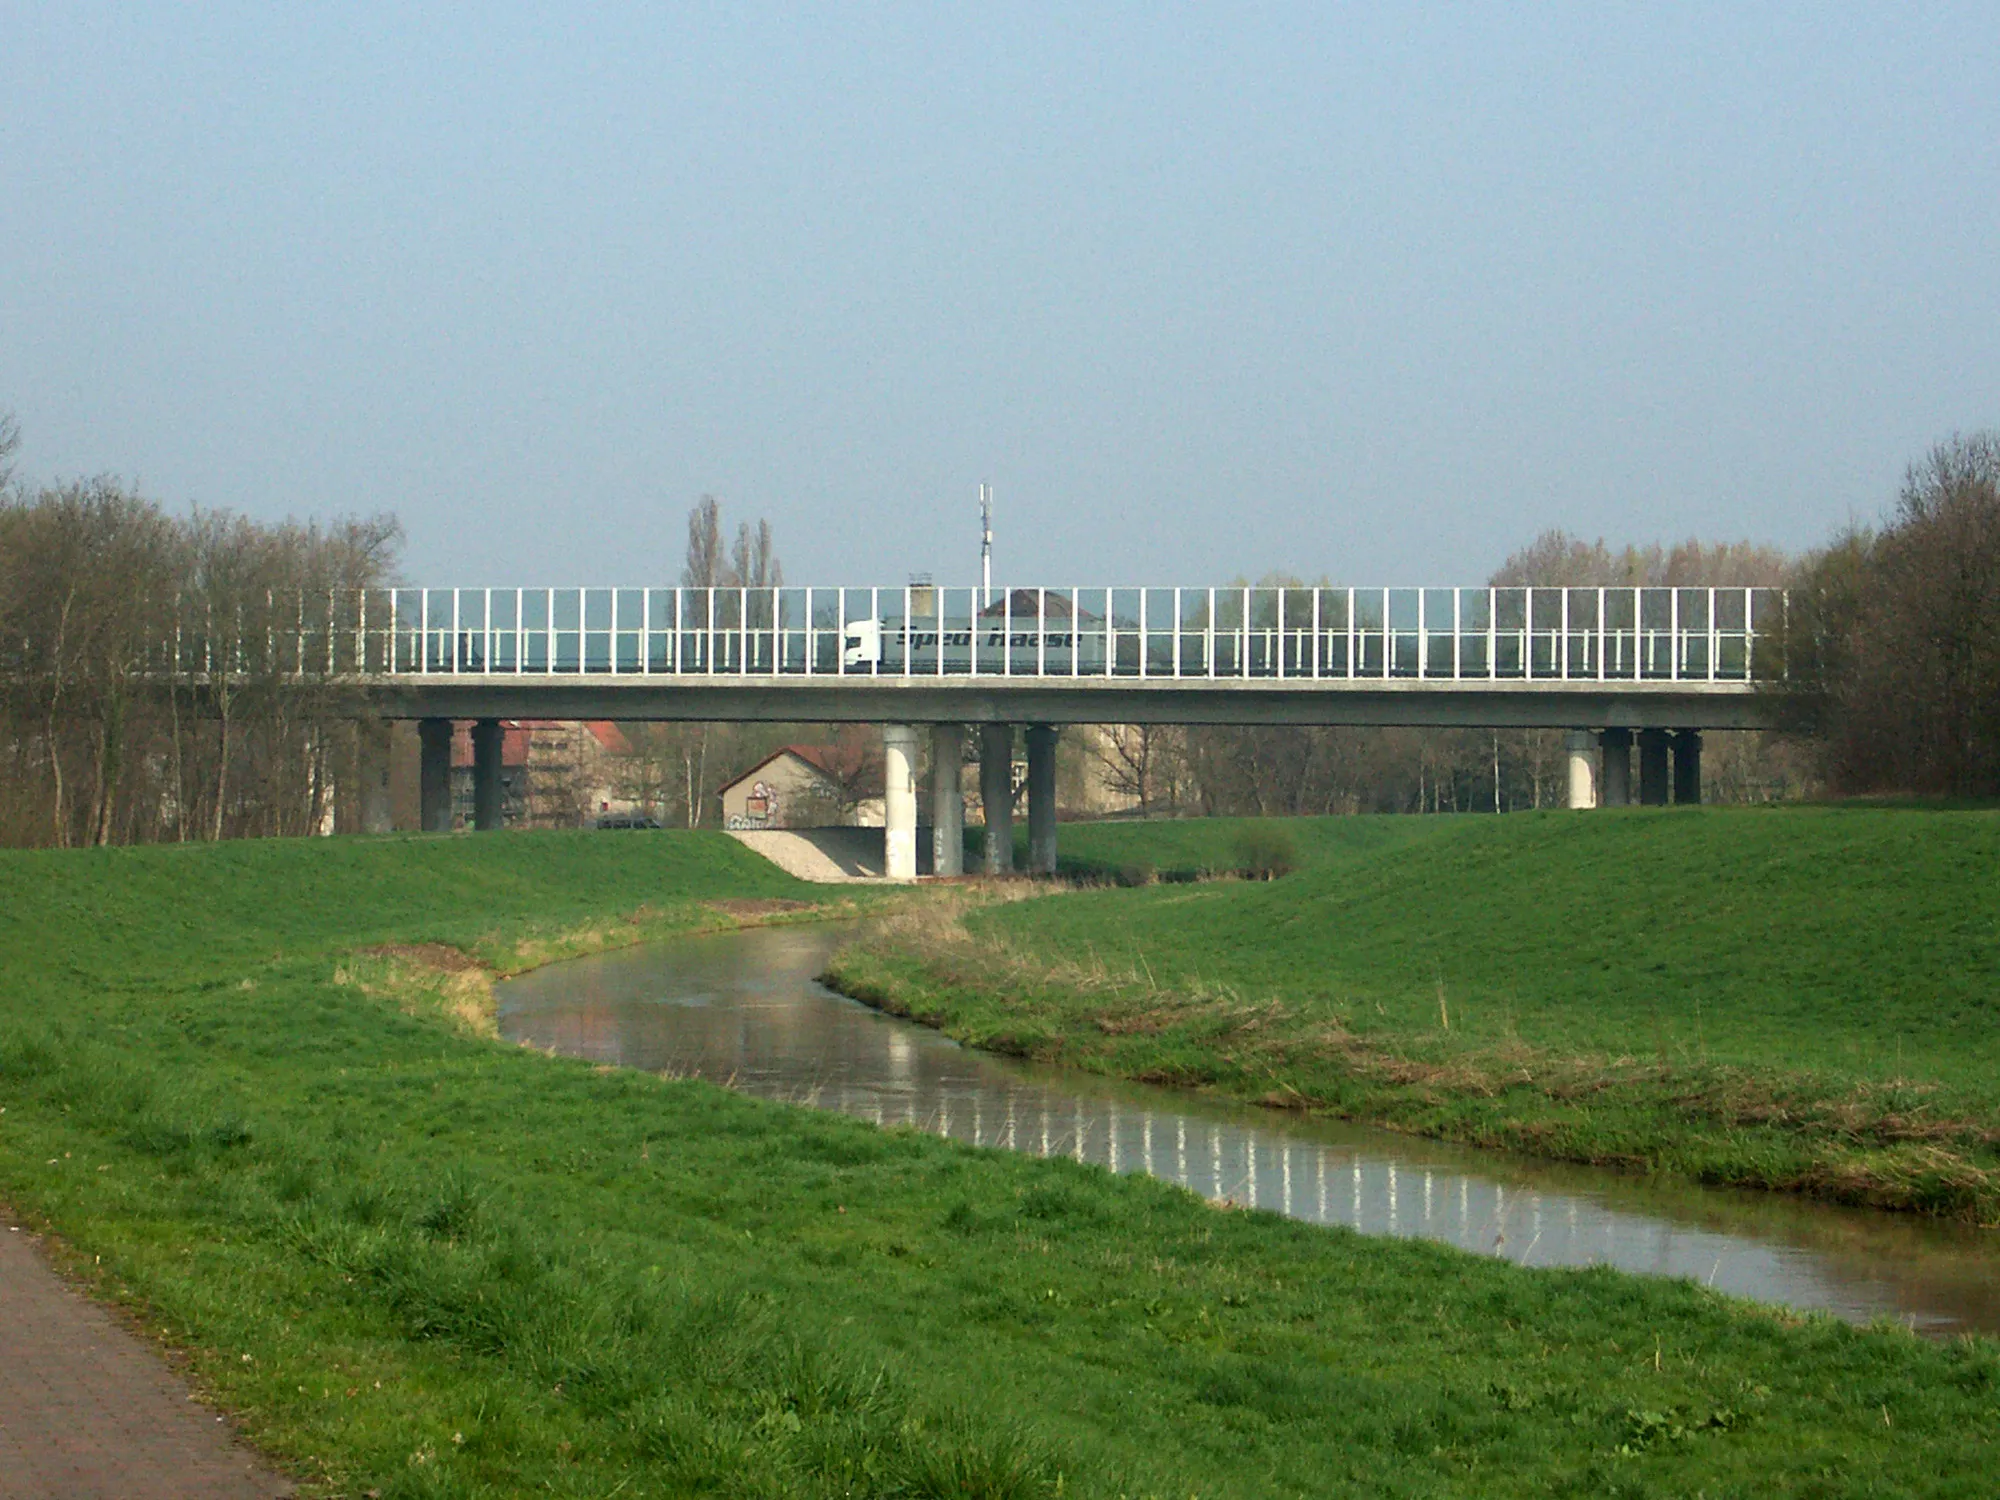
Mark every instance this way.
x=1454 y=635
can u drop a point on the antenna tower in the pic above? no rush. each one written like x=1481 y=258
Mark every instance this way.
x=986 y=543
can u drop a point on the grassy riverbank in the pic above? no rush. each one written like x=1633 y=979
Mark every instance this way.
x=1805 y=999
x=417 y=1261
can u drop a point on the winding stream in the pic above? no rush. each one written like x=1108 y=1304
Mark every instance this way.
x=745 y=1009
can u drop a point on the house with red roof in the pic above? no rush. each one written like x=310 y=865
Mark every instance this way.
x=554 y=773
x=806 y=786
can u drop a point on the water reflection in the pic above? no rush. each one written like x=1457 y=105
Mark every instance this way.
x=744 y=1009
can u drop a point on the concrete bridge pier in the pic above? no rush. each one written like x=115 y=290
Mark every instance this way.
x=1687 y=766
x=1653 y=781
x=488 y=797
x=434 y=775
x=996 y=791
x=899 y=801
x=947 y=799
x=376 y=810
x=1582 y=746
x=1617 y=745
x=1042 y=799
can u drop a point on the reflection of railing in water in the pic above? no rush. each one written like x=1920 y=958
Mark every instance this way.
x=1857 y=1264
x=1293 y=1180
x=1455 y=635
x=1331 y=1184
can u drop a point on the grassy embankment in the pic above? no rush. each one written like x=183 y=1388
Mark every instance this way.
x=1805 y=999
x=417 y=1261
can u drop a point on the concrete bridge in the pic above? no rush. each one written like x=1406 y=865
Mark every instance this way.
x=1613 y=666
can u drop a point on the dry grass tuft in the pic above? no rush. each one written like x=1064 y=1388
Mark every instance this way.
x=426 y=979
x=768 y=906
x=1881 y=1144
x=429 y=955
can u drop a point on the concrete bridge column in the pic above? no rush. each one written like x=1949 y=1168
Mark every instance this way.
x=1653 y=782
x=899 y=801
x=434 y=775
x=1617 y=745
x=1042 y=799
x=996 y=791
x=488 y=796
x=371 y=772
x=1582 y=768
x=947 y=799
x=1687 y=766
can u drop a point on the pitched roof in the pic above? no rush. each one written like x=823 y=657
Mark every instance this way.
x=816 y=756
x=1022 y=604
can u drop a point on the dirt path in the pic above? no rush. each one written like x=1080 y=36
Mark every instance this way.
x=88 y=1411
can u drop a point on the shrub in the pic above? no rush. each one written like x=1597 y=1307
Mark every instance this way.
x=1264 y=851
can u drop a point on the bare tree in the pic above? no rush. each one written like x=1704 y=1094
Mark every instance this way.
x=87 y=575
x=160 y=682
x=753 y=561
x=1144 y=762
x=703 y=567
x=1893 y=639
x=1556 y=559
x=10 y=444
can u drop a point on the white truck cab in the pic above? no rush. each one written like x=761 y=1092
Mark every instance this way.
x=861 y=645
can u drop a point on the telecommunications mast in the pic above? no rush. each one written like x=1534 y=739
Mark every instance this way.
x=986 y=543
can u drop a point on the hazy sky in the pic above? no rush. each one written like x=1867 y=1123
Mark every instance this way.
x=1375 y=293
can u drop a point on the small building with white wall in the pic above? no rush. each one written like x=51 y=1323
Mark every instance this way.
x=795 y=787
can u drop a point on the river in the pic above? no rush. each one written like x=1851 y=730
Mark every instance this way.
x=745 y=1009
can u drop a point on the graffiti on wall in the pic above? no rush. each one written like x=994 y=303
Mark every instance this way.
x=760 y=808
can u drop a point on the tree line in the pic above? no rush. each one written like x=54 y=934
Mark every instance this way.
x=110 y=734
x=1892 y=648
x=1291 y=771
x=105 y=736
x=1887 y=671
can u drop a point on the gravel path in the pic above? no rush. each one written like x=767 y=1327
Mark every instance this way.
x=87 y=1410
x=825 y=855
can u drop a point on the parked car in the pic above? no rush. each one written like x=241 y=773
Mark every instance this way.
x=627 y=820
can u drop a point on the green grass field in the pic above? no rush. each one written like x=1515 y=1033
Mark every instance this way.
x=1800 y=998
x=421 y=1262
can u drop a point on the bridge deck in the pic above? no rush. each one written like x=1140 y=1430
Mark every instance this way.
x=1638 y=657
x=1122 y=700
